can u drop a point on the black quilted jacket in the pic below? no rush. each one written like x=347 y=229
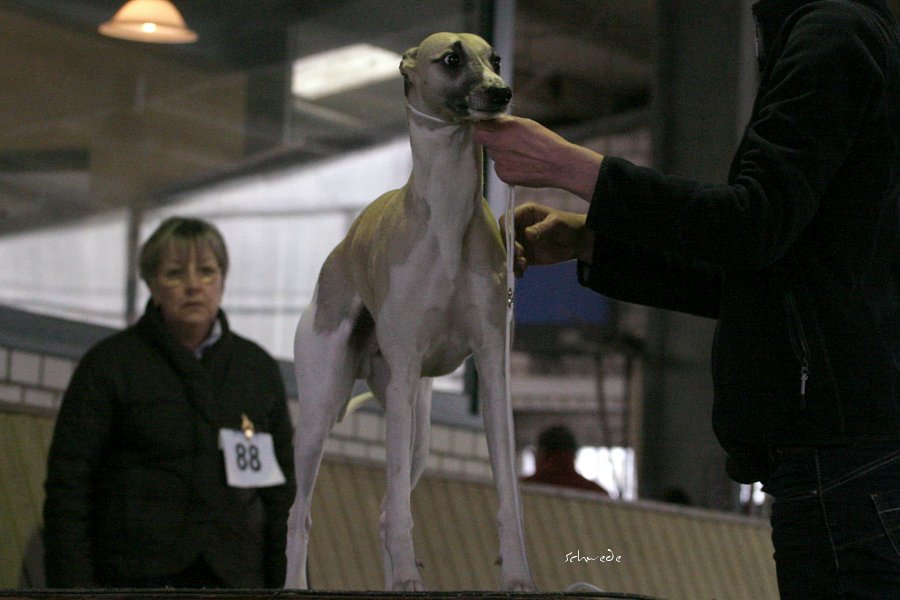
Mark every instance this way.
x=798 y=255
x=136 y=483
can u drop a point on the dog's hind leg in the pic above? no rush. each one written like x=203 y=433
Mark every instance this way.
x=378 y=378
x=422 y=435
x=325 y=365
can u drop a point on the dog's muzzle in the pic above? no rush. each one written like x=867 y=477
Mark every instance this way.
x=493 y=99
x=500 y=95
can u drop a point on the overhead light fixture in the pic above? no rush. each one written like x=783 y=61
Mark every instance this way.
x=156 y=21
x=342 y=69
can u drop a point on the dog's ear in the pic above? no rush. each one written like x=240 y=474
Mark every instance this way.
x=408 y=60
x=407 y=64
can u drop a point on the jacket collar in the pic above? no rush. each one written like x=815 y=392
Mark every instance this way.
x=781 y=9
x=152 y=327
x=203 y=379
x=770 y=16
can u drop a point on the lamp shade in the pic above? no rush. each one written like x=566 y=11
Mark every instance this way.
x=156 y=21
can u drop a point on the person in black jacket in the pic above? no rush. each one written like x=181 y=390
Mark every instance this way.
x=798 y=258
x=139 y=492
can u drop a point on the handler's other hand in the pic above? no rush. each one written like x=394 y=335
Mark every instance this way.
x=545 y=236
x=527 y=153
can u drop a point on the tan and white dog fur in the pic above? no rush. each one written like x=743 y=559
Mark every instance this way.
x=417 y=285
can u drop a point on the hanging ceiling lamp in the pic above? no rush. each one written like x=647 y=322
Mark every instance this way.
x=156 y=21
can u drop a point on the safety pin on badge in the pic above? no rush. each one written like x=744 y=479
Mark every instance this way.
x=247 y=426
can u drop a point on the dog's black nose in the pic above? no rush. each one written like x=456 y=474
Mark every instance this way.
x=500 y=94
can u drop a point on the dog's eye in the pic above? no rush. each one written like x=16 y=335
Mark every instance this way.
x=452 y=59
x=495 y=62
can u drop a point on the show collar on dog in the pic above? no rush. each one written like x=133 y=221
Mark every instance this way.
x=426 y=116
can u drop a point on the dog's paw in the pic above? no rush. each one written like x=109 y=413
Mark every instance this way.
x=520 y=585
x=409 y=585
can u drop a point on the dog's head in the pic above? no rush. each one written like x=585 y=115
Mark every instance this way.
x=456 y=77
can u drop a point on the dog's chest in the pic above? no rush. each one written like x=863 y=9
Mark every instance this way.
x=443 y=272
x=445 y=308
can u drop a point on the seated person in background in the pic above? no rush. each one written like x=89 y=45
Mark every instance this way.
x=555 y=461
x=137 y=492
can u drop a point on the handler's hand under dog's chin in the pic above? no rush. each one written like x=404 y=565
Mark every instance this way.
x=527 y=153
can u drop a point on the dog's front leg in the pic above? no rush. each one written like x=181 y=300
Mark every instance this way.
x=498 y=426
x=401 y=570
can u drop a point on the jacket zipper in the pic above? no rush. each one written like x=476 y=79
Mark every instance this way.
x=798 y=341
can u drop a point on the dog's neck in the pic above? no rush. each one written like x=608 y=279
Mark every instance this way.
x=447 y=167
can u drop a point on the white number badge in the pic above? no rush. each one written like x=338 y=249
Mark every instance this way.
x=250 y=459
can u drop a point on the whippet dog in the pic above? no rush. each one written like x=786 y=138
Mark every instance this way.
x=417 y=285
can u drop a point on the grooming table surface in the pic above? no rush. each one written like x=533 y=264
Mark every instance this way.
x=171 y=594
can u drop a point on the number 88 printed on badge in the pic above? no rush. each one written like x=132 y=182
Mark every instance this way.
x=249 y=457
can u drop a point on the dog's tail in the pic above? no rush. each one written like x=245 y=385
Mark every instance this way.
x=354 y=403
